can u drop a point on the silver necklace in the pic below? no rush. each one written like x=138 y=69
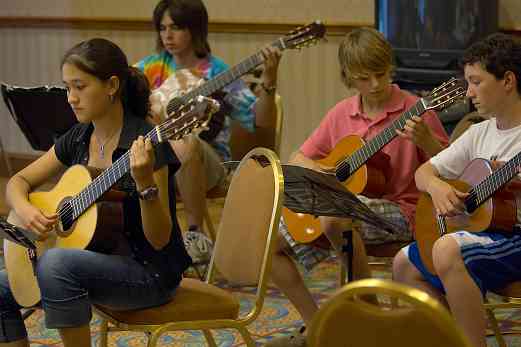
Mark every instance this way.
x=102 y=145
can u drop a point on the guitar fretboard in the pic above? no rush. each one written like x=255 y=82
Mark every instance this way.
x=101 y=184
x=195 y=113
x=352 y=163
x=490 y=185
x=223 y=79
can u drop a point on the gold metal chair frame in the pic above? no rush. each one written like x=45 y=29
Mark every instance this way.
x=358 y=296
x=511 y=298
x=154 y=331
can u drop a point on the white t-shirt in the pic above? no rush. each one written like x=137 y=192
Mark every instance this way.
x=483 y=140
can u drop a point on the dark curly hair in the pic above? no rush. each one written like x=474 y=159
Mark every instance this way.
x=497 y=54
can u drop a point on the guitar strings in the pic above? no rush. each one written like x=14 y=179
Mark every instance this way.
x=488 y=186
x=81 y=200
x=361 y=155
x=220 y=80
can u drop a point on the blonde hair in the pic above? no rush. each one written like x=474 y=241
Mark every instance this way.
x=364 y=50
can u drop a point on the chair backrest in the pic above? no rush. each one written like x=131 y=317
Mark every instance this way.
x=404 y=317
x=242 y=141
x=42 y=113
x=249 y=222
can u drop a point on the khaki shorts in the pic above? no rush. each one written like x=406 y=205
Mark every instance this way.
x=215 y=171
x=309 y=255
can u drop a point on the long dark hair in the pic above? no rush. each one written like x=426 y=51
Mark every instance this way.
x=104 y=59
x=186 y=14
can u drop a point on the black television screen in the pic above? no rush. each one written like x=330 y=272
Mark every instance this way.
x=431 y=34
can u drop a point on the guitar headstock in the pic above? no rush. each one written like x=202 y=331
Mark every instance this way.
x=195 y=114
x=446 y=94
x=304 y=36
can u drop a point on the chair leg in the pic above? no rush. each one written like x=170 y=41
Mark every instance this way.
x=211 y=229
x=495 y=327
x=103 y=333
x=246 y=336
x=346 y=268
x=342 y=275
x=152 y=338
x=209 y=338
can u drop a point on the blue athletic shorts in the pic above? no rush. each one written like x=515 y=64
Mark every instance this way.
x=492 y=259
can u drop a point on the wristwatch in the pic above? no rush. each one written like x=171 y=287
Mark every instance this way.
x=150 y=193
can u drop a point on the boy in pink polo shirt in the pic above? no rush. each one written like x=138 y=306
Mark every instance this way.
x=366 y=62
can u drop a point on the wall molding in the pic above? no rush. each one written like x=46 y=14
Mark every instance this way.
x=139 y=24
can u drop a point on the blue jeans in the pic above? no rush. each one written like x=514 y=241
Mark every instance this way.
x=71 y=280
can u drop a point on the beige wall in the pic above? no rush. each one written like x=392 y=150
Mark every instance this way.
x=308 y=80
x=270 y=11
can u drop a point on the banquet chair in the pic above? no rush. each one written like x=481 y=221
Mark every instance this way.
x=350 y=318
x=241 y=142
x=246 y=236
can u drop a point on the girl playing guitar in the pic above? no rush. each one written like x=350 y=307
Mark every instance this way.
x=110 y=101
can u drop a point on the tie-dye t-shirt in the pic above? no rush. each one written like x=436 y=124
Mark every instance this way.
x=158 y=67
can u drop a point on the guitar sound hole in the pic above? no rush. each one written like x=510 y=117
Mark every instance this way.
x=342 y=173
x=66 y=218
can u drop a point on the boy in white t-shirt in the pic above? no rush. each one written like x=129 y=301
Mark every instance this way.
x=467 y=265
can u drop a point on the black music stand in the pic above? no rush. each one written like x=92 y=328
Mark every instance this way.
x=42 y=113
x=319 y=194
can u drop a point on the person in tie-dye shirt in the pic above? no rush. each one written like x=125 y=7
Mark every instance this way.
x=182 y=28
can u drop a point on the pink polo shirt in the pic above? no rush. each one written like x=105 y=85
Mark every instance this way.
x=347 y=118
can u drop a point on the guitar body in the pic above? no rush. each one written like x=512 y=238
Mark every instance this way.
x=89 y=231
x=498 y=212
x=179 y=83
x=171 y=92
x=367 y=180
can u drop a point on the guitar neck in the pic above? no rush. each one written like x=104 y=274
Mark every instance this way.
x=103 y=182
x=358 y=158
x=223 y=79
x=492 y=183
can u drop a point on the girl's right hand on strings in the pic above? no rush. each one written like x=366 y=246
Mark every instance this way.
x=37 y=222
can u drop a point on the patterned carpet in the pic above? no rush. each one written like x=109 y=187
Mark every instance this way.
x=278 y=318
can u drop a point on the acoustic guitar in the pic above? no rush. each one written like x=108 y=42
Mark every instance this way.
x=82 y=202
x=185 y=84
x=491 y=203
x=360 y=166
